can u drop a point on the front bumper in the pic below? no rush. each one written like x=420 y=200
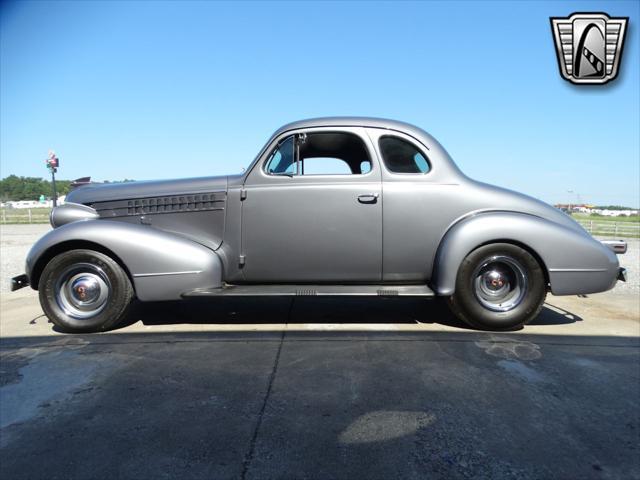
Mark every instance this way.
x=19 y=282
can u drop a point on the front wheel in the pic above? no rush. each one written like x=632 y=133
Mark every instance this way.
x=499 y=287
x=84 y=291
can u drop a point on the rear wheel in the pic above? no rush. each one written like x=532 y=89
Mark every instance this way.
x=499 y=287
x=84 y=291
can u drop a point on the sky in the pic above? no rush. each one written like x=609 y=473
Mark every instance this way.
x=151 y=90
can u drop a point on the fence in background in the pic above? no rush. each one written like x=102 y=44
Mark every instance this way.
x=25 y=215
x=611 y=228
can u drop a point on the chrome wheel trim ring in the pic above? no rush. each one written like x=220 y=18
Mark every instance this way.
x=82 y=290
x=500 y=283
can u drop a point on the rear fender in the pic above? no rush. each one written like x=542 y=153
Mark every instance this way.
x=162 y=265
x=574 y=262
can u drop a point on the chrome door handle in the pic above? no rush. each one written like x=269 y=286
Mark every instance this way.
x=368 y=197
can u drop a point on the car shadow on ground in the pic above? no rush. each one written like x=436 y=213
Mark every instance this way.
x=313 y=310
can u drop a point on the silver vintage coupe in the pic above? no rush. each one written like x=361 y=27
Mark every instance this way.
x=330 y=206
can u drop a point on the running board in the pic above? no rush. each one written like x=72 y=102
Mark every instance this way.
x=313 y=290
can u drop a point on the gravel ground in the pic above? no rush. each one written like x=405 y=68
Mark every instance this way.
x=15 y=241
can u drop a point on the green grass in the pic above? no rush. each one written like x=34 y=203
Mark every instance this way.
x=598 y=218
x=613 y=227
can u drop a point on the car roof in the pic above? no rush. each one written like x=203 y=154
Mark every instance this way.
x=346 y=122
x=352 y=122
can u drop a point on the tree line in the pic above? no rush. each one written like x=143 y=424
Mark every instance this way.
x=14 y=188
x=613 y=207
x=30 y=188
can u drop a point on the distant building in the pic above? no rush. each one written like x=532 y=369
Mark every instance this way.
x=615 y=213
x=575 y=207
x=590 y=209
x=24 y=204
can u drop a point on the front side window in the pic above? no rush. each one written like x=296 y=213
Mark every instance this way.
x=282 y=160
x=401 y=156
x=325 y=153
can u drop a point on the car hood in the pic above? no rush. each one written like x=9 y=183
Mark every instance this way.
x=104 y=192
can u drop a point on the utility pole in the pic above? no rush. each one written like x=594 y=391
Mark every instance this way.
x=52 y=164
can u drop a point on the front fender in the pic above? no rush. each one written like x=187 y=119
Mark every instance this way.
x=162 y=265
x=575 y=262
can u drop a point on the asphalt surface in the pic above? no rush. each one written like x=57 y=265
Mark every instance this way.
x=320 y=388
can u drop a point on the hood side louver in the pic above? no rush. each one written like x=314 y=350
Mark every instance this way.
x=160 y=205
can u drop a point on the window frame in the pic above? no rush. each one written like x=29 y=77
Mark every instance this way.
x=273 y=151
x=298 y=174
x=402 y=139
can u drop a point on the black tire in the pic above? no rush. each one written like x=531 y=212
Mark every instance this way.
x=492 y=270
x=72 y=291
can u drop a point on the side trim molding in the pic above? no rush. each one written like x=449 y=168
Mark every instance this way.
x=189 y=272
x=578 y=270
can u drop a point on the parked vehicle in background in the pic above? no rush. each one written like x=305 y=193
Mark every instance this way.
x=331 y=206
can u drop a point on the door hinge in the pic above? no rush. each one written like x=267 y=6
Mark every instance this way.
x=241 y=260
x=243 y=194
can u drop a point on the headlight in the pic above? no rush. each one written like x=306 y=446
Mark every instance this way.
x=71 y=212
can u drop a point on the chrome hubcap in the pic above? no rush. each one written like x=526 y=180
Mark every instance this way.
x=82 y=290
x=500 y=283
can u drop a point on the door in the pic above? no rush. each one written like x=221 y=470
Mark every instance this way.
x=312 y=210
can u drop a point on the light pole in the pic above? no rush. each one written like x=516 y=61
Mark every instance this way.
x=571 y=193
x=52 y=164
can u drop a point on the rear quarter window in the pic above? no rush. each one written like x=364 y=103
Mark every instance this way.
x=401 y=156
